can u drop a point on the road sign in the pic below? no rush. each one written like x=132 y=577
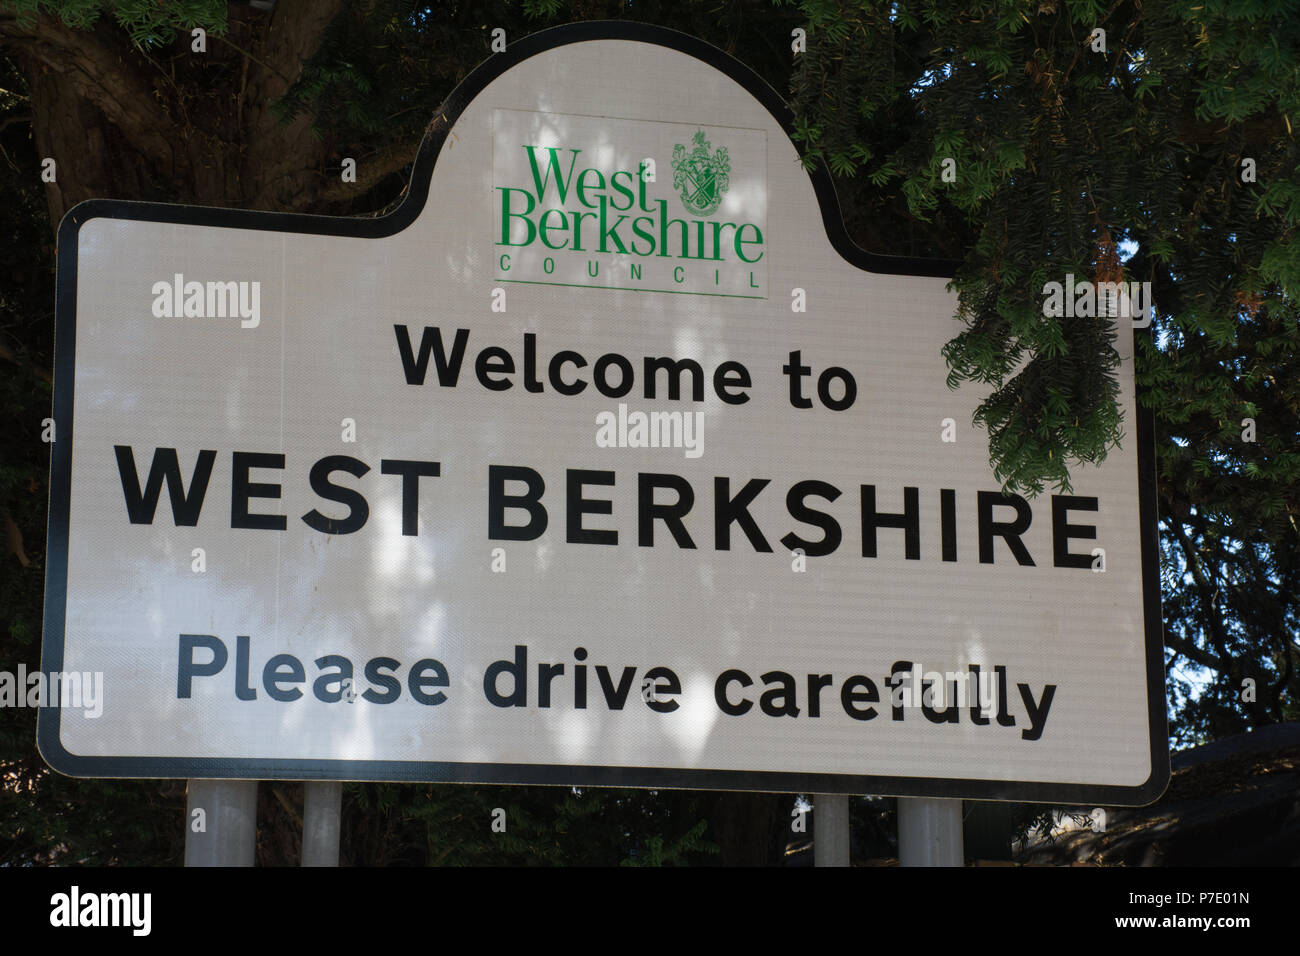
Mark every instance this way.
x=606 y=459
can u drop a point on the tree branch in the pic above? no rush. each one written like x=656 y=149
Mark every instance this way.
x=292 y=38
x=371 y=170
x=251 y=56
x=1193 y=653
x=96 y=70
x=279 y=151
x=1203 y=588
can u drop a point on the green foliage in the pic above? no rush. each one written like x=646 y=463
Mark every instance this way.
x=542 y=9
x=535 y=826
x=1061 y=152
x=679 y=853
x=148 y=23
x=1229 y=535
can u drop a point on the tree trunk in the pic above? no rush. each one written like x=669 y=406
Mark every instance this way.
x=173 y=125
x=750 y=828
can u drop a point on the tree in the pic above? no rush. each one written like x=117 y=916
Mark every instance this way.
x=1163 y=150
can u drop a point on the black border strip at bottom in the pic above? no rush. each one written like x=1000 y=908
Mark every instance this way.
x=651 y=778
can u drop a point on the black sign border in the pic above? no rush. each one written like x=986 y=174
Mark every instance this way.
x=48 y=724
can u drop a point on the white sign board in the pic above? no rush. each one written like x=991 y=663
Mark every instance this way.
x=606 y=459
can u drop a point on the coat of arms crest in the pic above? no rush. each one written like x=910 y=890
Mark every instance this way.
x=700 y=179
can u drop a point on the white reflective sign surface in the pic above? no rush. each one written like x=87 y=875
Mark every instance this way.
x=793 y=564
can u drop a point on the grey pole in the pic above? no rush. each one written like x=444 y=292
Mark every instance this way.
x=221 y=823
x=930 y=832
x=830 y=829
x=321 y=817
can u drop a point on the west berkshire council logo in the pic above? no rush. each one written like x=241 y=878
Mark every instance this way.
x=700 y=179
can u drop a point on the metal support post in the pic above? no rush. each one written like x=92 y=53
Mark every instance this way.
x=930 y=832
x=321 y=821
x=830 y=829
x=221 y=823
